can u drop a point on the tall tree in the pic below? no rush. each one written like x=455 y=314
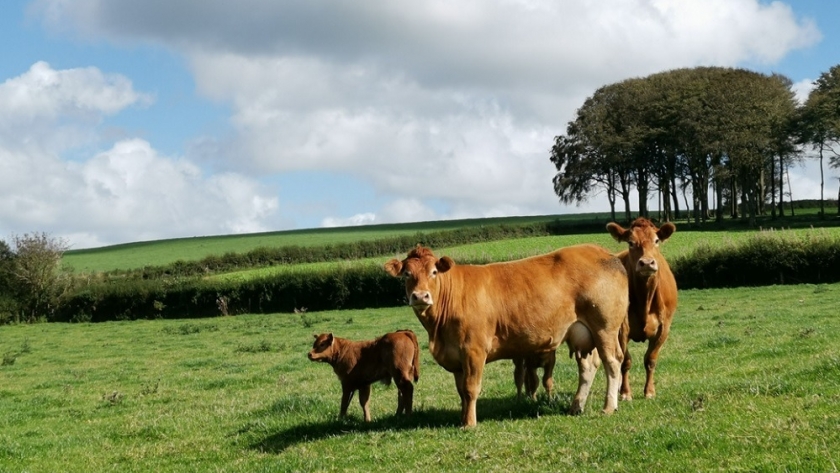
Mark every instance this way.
x=820 y=124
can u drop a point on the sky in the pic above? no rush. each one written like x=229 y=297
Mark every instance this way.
x=124 y=121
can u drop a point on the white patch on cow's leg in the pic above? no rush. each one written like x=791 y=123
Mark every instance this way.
x=587 y=366
x=364 y=401
x=612 y=356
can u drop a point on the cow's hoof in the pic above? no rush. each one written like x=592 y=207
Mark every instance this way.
x=575 y=410
x=626 y=397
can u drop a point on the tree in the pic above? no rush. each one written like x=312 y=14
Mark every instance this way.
x=820 y=123
x=35 y=274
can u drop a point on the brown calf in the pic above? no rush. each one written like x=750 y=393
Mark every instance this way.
x=394 y=356
x=653 y=294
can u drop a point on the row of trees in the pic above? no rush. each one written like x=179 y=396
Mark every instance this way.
x=723 y=138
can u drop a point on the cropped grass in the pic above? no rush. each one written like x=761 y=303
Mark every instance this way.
x=748 y=381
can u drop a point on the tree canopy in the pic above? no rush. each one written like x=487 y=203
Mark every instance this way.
x=721 y=137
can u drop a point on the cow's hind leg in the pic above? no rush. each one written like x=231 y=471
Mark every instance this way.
x=612 y=356
x=587 y=366
x=519 y=375
x=532 y=379
x=548 y=373
x=364 y=401
x=405 y=396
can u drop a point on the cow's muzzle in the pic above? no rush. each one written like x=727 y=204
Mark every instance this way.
x=420 y=299
x=647 y=266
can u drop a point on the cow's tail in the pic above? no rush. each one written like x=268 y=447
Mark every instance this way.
x=416 y=360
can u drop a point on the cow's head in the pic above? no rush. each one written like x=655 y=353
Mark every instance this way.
x=420 y=271
x=643 y=239
x=322 y=349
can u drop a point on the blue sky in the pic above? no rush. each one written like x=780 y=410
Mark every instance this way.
x=126 y=121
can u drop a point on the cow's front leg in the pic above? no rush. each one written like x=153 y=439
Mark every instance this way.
x=626 y=363
x=346 y=396
x=364 y=401
x=651 y=356
x=473 y=368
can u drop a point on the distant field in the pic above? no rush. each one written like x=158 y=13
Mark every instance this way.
x=680 y=244
x=748 y=381
x=161 y=252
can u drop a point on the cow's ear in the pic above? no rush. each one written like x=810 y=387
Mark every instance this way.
x=394 y=267
x=618 y=232
x=444 y=264
x=315 y=336
x=665 y=231
x=330 y=338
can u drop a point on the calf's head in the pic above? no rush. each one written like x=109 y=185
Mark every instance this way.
x=420 y=271
x=643 y=239
x=323 y=348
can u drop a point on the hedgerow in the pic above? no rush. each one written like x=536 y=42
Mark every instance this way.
x=767 y=258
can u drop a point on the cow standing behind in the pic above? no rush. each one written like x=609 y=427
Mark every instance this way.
x=394 y=356
x=478 y=314
x=653 y=294
x=525 y=373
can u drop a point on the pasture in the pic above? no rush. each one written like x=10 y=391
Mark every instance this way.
x=748 y=381
x=161 y=252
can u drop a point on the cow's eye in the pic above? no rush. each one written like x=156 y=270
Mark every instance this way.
x=434 y=272
x=656 y=241
x=406 y=274
x=631 y=244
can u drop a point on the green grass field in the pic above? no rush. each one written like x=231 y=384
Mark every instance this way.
x=749 y=381
x=161 y=252
x=681 y=244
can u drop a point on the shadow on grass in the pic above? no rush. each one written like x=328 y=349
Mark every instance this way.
x=488 y=410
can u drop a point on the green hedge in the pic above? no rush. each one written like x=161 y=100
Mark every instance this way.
x=771 y=257
x=341 y=288
x=294 y=254
x=766 y=259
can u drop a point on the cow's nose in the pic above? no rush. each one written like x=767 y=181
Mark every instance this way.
x=418 y=297
x=648 y=265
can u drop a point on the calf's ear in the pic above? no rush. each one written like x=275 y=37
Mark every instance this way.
x=618 y=232
x=330 y=338
x=394 y=267
x=444 y=264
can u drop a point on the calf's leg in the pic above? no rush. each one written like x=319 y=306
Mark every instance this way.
x=346 y=395
x=364 y=401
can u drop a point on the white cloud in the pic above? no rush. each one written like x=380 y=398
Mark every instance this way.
x=802 y=89
x=356 y=220
x=424 y=101
x=126 y=193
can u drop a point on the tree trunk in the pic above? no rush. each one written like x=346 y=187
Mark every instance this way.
x=781 y=187
x=822 y=184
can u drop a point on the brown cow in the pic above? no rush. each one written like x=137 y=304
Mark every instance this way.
x=359 y=364
x=653 y=294
x=478 y=314
x=525 y=372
